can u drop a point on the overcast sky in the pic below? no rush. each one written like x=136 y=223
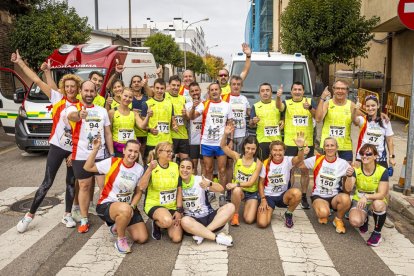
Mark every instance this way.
x=225 y=27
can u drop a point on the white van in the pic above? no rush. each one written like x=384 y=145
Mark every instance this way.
x=26 y=113
x=274 y=68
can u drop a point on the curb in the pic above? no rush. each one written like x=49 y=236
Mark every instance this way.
x=399 y=204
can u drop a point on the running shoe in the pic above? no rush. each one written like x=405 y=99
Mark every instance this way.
x=375 y=239
x=122 y=246
x=76 y=215
x=84 y=226
x=364 y=227
x=388 y=223
x=24 y=223
x=68 y=221
x=211 y=196
x=235 y=220
x=323 y=220
x=339 y=224
x=224 y=239
x=113 y=231
x=288 y=220
x=92 y=209
x=304 y=204
x=156 y=231
x=198 y=239
x=222 y=200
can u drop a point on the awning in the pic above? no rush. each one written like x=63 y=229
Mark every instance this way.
x=392 y=25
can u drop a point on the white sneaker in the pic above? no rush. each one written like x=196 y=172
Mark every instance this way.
x=388 y=223
x=92 y=209
x=76 y=215
x=224 y=239
x=198 y=239
x=24 y=224
x=68 y=221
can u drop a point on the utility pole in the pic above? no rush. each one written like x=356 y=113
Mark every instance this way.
x=130 y=24
x=96 y=15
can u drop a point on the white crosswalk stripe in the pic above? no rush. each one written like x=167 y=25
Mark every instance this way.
x=396 y=251
x=13 y=194
x=300 y=249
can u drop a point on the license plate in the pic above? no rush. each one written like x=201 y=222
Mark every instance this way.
x=41 y=143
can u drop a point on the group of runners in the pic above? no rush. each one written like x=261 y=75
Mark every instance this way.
x=162 y=142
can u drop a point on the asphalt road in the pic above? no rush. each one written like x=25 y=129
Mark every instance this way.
x=48 y=248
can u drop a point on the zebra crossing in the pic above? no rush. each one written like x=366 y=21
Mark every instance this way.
x=306 y=249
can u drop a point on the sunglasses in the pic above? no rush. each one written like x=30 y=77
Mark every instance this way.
x=371 y=97
x=367 y=154
x=223 y=75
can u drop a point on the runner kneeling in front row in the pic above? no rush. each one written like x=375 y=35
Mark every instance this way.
x=274 y=184
x=328 y=171
x=117 y=205
x=200 y=219
x=371 y=181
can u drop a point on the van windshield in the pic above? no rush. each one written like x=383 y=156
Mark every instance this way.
x=275 y=73
x=35 y=94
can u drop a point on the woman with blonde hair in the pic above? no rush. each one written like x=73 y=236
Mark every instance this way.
x=60 y=140
x=163 y=200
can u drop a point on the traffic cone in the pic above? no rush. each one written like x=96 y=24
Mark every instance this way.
x=401 y=181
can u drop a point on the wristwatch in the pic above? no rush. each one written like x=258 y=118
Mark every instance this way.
x=180 y=210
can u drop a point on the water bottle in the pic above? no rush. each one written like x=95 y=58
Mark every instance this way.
x=390 y=171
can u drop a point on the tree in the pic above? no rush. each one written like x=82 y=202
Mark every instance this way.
x=213 y=65
x=194 y=62
x=326 y=31
x=46 y=27
x=164 y=49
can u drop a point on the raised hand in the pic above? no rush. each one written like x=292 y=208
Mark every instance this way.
x=350 y=170
x=204 y=183
x=279 y=92
x=144 y=81
x=153 y=164
x=300 y=139
x=229 y=129
x=256 y=120
x=15 y=57
x=150 y=113
x=45 y=66
x=119 y=68
x=96 y=143
x=246 y=49
x=325 y=94
x=83 y=113
x=306 y=104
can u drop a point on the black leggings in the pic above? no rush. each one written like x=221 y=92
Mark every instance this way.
x=55 y=158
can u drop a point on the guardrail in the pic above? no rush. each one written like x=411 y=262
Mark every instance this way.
x=398 y=105
x=362 y=94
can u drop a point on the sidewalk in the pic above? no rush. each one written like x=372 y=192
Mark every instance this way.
x=400 y=203
x=6 y=141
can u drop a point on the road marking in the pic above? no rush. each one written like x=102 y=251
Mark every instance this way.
x=98 y=256
x=13 y=194
x=7 y=150
x=408 y=7
x=208 y=258
x=396 y=251
x=300 y=249
x=13 y=244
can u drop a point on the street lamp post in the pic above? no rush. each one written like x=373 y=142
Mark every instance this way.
x=185 y=45
x=210 y=47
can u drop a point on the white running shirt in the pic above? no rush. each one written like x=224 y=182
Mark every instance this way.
x=239 y=105
x=215 y=116
x=278 y=177
x=194 y=126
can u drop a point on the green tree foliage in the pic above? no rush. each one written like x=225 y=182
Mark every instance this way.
x=164 y=49
x=46 y=27
x=213 y=65
x=194 y=62
x=326 y=31
x=18 y=6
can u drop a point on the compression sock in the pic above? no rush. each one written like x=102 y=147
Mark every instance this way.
x=379 y=219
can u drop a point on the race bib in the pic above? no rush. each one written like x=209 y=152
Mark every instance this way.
x=374 y=136
x=327 y=183
x=196 y=127
x=179 y=120
x=217 y=119
x=66 y=140
x=337 y=131
x=241 y=177
x=163 y=127
x=300 y=120
x=125 y=134
x=124 y=197
x=277 y=181
x=271 y=131
x=168 y=196
x=191 y=204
